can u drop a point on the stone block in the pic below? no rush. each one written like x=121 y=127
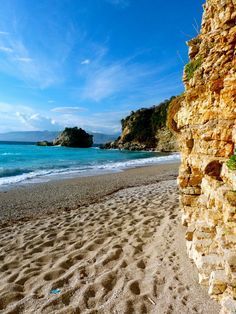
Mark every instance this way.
x=203 y=279
x=228 y=306
x=189 y=233
x=217 y=282
x=208 y=263
x=189 y=200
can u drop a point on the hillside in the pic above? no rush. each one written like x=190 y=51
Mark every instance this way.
x=146 y=129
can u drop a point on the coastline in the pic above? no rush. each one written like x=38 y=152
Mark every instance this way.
x=30 y=201
x=120 y=250
x=56 y=163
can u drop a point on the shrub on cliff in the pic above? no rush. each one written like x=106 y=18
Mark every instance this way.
x=141 y=127
x=159 y=116
x=231 y=163
x=191 y=67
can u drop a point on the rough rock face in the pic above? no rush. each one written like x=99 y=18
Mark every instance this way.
x=145 y=129
x=166 y=140
x=74 y=137
x=44 y=143
x=204 y=119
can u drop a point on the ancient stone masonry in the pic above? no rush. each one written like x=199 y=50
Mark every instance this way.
x=204 y=118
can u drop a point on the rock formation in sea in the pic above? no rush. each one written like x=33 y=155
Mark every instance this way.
x=74 y=137
x=204 y=119
x=145 y=129
x=44 y=143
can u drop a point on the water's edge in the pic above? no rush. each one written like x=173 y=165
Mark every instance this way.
x=18 y=167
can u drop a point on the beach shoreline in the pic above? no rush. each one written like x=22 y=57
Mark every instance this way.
x=24 y=202
x=21 y=169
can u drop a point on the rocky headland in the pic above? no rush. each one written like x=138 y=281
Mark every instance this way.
x=204 y=119
x=145 y=129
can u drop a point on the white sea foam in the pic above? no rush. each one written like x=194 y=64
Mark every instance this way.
x=10 y=154
x=85 y=170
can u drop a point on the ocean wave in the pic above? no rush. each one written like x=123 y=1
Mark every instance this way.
x=12 y=172
x=14 y=176
x=132 y=163
x=10 y=154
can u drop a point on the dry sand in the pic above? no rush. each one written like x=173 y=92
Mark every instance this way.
x=123 y=254
x=27 y=202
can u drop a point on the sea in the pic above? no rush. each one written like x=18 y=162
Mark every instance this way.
x=25 y=163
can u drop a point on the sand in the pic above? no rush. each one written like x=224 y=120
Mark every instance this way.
x=30 y=201
x=123 y=254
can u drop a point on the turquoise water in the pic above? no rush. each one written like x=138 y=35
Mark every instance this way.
x=22 y=163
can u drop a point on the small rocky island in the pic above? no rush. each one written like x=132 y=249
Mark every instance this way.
x=71 y=137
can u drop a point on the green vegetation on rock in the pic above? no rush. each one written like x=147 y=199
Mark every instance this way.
x=143 y=123
x=191 y=67
x=231 y=163
x=140 y=129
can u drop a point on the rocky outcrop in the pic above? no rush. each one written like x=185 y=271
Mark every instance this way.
x=145 y=129
x=44 y=143
x=74 y=137
x=204 y=119
x=165 y=140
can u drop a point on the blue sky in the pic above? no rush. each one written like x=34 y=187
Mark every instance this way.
x=88 y=63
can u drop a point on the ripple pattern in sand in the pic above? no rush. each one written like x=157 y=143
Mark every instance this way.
x=117 y=256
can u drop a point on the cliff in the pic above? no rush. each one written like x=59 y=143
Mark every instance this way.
x=145 y=129
x=74 y=137
x=204 y=119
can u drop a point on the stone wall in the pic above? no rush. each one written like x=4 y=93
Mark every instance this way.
x=204 y=118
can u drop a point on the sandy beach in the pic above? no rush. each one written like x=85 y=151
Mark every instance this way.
x=105 y=244
x=31 y=201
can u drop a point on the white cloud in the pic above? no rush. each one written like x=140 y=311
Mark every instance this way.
x=21 y=59
x=18 y=62
x=86 y=61
x=68 y=110
x=39 y=66
x=11 y=109
x=8 y=118
x=106 y=122
x=37 y=122
x=6 y=49
x=104 y=81
x=15 y=117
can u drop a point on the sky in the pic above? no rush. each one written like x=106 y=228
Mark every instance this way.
x=88 y=63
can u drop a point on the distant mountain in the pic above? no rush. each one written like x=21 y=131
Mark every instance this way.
x=37 y=136
x=29 y=136
x=100 y=138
